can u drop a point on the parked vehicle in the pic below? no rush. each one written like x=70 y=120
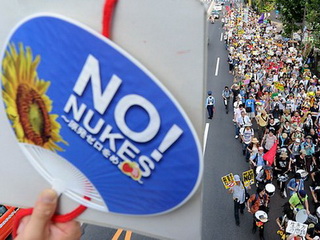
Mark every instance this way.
x=6 y=220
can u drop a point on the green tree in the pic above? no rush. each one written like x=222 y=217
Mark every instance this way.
x=292 y=14
x=265 y=6
x=312 y=18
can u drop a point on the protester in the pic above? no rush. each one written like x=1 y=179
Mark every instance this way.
x=283 y=220
x=246 y=134
x=313 y=232
x=226 y=94
x=282 y=168
x=238 y=194
x=299 y=200
x=257 y=201
x=257 y=159
x=295 y=184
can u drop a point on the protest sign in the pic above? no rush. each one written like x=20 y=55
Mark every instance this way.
x=228 y=181
x=248 y=177
x=297 y=228
x=279 y=86
x=246 y=82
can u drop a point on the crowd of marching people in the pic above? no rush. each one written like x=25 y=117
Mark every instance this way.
x=276 y=101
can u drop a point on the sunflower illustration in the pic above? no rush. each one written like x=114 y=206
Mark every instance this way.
x=27 y=104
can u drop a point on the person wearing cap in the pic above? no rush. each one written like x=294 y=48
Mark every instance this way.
x=299 y=201
x=246 y=135
x=238 y=193
x=313 y=232
x=295 y=184
x=257 y=158
x=210 y=103
x=226 y=94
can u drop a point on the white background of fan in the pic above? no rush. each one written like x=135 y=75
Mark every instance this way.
x=155 y=32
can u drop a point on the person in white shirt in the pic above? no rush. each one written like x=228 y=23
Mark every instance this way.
x=236 y=114
x=246 y=134
x=243 y=119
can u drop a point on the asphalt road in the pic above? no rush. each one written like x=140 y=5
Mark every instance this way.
x=223 y=155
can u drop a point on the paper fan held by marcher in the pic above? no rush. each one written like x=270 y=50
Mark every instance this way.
x=92 y=119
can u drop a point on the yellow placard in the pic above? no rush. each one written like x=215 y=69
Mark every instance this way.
x=228 y=181
x=248 y=177
x=279 y=86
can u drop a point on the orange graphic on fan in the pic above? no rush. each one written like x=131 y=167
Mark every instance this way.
x=131 y=169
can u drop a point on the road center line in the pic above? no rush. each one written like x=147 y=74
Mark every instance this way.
x=217 y=67
x=128 y=235
x=205 y=137
x=221 y=37
x=117 y=234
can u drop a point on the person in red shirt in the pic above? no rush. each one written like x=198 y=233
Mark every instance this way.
x=296 y=119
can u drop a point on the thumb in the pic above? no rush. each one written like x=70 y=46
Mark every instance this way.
x=43 y=211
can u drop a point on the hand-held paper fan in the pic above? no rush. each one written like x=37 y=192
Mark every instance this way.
x=94 y=122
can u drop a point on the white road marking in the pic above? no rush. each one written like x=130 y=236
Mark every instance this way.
x=221 y=37
x=205 y=137
x=217 y=67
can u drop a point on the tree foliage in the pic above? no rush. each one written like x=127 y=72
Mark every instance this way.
x=292 y=13
x=313 y=20
x=264 y=6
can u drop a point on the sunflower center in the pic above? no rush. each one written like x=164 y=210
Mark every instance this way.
x=34 y=117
